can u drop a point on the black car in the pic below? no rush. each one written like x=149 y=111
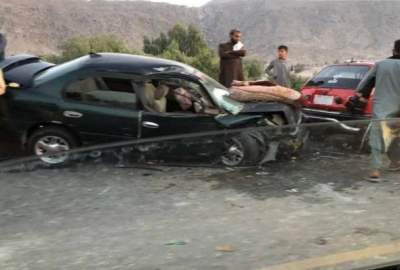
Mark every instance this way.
x=102 y=98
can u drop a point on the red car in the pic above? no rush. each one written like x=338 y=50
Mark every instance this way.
x=327 y=93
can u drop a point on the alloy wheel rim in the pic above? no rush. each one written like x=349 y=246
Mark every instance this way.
x=234 y=153
x=51 y=149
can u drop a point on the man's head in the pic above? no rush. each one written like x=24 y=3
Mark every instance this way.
x=235 y=36
x=396 y=48
x=283 y=52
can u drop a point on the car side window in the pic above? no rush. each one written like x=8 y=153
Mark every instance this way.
x=105 y=91
x=175 y=95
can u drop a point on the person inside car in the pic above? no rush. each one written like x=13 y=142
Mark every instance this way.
x=153 y=96
x=184 y=98
x=385 y=78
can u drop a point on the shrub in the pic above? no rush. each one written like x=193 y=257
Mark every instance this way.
x=79 y=46
x=299 y=68
x=185 y=44
x=297 y=81
x=253 y=69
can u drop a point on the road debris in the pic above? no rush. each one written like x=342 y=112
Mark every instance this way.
x=170 y=185
x=321 y=241
x=224 y=248
x=176 y=243
x=262 y=173
x=236 y=205
x=330 y=157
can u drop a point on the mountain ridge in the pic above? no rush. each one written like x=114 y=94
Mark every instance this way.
x=316 y=31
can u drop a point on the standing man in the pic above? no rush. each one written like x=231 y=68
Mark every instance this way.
x=278 y=69
x=231 y=53
x=386 y=80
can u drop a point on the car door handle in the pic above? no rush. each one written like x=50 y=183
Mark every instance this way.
x=147 y=124
x=72 y=114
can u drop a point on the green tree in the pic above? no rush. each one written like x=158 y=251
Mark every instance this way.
x=185 y=44
x=253 y=69
x=156 y=46
x=189 y=39
x=206 y=61
x=173 y=52
x=75 y=47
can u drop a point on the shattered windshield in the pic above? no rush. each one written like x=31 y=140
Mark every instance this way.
x=220 y=94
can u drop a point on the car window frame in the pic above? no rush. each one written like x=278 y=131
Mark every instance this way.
x=204 y=90
x=88 y=74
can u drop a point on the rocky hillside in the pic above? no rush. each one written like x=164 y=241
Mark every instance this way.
x=317 y=31
x=40 y=26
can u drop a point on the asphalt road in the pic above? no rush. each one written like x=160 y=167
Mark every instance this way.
x=96 y=216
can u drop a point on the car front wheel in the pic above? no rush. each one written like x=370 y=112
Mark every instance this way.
x=51 y=145
x=242 y=150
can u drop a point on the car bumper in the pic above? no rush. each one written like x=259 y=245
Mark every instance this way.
x=342 y=116
x=338 y=118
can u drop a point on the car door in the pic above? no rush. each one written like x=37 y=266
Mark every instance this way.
x=164 y=124
x=181 y=123
x=186 y=147
x=174 y=119
x=10 y=145
x=101 y=112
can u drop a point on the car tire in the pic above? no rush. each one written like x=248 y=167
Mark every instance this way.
x=50 y=140
x=241 y=150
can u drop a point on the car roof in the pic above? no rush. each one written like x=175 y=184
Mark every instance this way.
x=366 y=63
x=115 y=62
x=128 y=63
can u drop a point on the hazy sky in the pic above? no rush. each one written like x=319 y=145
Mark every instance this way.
x=192 y=3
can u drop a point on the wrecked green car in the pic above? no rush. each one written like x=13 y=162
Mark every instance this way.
x=106 y=98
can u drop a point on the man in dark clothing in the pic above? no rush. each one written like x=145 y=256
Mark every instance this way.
x=385 y=78
x=3 y=44
x=231 y=54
